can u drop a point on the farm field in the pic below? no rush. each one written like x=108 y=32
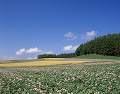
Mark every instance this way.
x=86 y=78
x=43 y=62
x=97 y=57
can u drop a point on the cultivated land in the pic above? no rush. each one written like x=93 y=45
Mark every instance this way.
x=42 y=62
x=97 y=57
x=99 y=76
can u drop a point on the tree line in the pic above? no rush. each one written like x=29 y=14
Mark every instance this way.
x=63 y=55
x=105 y=45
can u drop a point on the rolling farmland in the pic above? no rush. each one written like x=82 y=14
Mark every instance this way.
x=86 y=78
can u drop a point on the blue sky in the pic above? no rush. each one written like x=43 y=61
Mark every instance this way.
x=32 y=27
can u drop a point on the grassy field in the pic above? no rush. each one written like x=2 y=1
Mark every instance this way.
x=53 y=58
x=97 y=57
x=61 y=79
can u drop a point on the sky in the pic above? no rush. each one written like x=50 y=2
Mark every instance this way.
x=32 y=27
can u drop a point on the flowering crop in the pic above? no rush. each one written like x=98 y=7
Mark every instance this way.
x=61 y=79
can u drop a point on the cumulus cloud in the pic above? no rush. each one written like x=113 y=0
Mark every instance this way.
x=49 y=52
x=67 y=48
x=75 y=47
x=89 y=35
x=70 y=48
x=70 y=36
x=20 y=51
x=33 y=50
x=25 y=54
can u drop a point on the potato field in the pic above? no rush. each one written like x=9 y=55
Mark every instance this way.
x=61 y=79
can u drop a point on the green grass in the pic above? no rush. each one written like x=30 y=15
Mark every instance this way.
x=97 y=57
x=68 y=79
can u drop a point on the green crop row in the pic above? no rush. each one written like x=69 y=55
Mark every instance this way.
x=61 y=79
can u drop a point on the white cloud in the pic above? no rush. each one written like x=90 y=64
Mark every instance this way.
x=20 y=51
x=89 y=35
x=70 y=48
x=27 y=54
x=6 y=58
x=3 y=58
x=67 y=48
x=49 y=52
x=46 y=52
x=75 y=47
x=70 y=36
x=33 y=50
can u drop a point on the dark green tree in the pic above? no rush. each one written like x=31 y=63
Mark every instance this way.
x=105 y=45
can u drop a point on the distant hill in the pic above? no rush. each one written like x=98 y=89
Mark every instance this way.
x=105 y=45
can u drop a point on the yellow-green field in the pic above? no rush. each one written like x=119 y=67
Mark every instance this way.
x=53 y=58
x=40 y=63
